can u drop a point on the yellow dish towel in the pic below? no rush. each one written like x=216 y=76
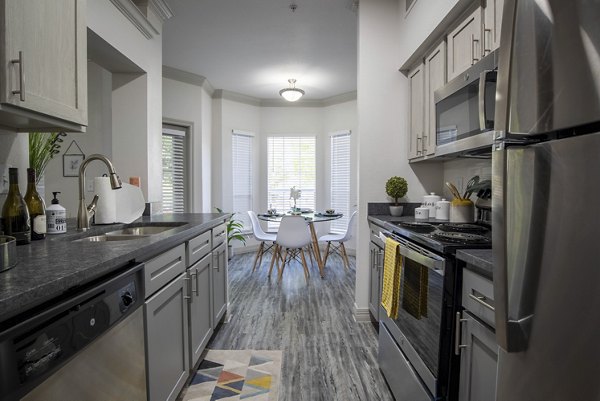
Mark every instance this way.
x=392 y=271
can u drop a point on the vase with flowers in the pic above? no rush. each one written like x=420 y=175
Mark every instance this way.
x=295 y=195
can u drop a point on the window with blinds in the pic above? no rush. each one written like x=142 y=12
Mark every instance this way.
x=174 y=170
x=340 y=180
x=241 y=144
x=291 y=162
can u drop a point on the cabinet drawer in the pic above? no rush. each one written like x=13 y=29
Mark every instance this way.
x=164 y=268
x=478 y=296
x=198 y=247
x=219 y=235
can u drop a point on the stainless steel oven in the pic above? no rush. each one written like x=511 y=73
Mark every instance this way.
x=411 y=345
x=464 y=110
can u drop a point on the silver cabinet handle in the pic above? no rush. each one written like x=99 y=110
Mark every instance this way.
x=216 y=263
x=379 y=259
x=457 y=344
x=186 y=289
x=481 y=300
x=487 y=33
x=21 y=91
x=195 y=280
x=423 y=141
x=419 y=151
x=474 y=59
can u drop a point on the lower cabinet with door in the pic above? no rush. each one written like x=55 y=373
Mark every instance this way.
x=186 y=291
x=477 y=344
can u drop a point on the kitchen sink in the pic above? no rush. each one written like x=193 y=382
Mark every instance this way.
x=132 y=232
x=106 y=237
x=143 y=230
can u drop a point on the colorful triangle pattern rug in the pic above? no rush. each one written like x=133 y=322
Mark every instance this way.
x=245 y=375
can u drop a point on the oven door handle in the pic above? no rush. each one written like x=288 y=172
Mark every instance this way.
x=424 y=258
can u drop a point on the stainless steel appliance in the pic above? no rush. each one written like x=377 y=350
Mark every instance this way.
x=464 y=110
x=416 y=353
x=89 y=346
x=545 y=249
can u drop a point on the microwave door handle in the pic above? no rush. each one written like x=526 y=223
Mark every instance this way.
x=485 y=77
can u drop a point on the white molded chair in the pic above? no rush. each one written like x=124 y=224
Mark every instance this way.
x=340 y=239
x=262 y=237
x=293 y=236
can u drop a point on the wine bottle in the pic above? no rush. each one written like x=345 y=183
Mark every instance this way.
x=14 y=211
x=36 y=206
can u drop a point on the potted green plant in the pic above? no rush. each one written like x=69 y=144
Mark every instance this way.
x=234 y=231
x=396 y=188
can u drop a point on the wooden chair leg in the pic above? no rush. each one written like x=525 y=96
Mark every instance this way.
x=345 y=256
x=262 y=253
x=275 y=256
x=306 y=273
x=310 y=255
x=326 y=253
x=285 y=254
x=258 y=255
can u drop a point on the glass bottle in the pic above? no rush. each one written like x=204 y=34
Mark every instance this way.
x=14 y=211
x=37 y=208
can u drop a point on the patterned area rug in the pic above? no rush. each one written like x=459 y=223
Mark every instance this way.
x=236 y=375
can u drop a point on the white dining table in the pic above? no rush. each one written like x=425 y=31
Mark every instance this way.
x=311 y=218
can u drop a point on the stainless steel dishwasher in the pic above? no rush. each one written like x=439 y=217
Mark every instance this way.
x=89 y=346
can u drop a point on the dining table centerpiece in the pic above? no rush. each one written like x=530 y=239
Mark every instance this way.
x=295 y=195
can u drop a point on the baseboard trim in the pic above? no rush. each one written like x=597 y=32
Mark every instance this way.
x=362 y=315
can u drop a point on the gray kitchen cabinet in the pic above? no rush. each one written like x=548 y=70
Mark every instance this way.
x=43 y=65
x=492 y=21
x=435 y=78
x=219 y=283
x=478 y=348
x=200 y=307
x=166 y=315
x=376 y=274
x=464 y=44
x=416 y=104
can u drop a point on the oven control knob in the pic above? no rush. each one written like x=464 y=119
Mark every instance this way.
x=127 y=298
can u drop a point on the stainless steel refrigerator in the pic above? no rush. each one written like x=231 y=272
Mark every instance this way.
x=546 y=201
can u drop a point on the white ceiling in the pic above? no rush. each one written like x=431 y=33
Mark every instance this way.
x=253 y=47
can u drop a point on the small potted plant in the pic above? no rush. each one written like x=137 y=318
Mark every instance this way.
x=396 y=188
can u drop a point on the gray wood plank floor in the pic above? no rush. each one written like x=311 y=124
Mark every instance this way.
x=326 y=354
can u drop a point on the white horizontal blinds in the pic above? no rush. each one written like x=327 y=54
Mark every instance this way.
x=174 y=171
x=340 y=180
x=242 y=176
x=291 y=162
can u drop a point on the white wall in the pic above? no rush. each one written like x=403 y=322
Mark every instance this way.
x=97 y=139
x=112 y=26
x=414 y=27
x=382 y=125
x=191 y=104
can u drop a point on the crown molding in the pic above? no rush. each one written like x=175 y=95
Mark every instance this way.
x=161 y=8
x=337 y=99
x=188 y=78
x=136 y=17
x=236 y=97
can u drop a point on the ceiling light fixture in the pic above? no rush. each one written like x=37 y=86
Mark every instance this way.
x=292 y=93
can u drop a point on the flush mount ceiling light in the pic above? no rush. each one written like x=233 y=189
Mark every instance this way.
x=292 y=93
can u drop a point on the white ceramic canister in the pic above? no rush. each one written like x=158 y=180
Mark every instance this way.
x=442 y=210
x=422 y=213
x=429 y=202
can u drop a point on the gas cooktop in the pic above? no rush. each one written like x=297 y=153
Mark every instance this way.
x=444 y=237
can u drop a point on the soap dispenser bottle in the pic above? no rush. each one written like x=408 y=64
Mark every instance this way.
x=56 y=216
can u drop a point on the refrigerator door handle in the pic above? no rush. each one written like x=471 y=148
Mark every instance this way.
x=519 y=215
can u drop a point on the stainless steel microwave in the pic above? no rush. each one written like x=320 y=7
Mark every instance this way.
x=464 y=110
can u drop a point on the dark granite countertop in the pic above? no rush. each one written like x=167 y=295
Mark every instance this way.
x=48 y=268
x=478 y=260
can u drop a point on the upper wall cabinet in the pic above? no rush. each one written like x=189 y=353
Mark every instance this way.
x=435 y=78
x=492 y=20
x=417 y=121
x=464 y=44
x=43 y=68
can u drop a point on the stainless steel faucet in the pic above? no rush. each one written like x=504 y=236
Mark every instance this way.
x=85 y=213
